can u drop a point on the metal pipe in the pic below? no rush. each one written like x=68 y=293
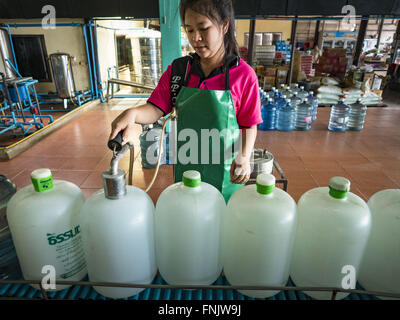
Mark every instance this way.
x=251 y=42
x=98 y=64
x=118 y=156
x=88 y=58
x=293 y=43
x=379 y=32
x=195 y=287
x=94 y=62
x=12 y=48
x=360 y=41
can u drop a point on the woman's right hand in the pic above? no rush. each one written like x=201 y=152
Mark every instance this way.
x=145 y=114
x=124 y=122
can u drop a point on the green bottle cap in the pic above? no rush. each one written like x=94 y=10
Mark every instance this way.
x=191 y=178
x=338 y=187
x=42 y=180
x=265 y=183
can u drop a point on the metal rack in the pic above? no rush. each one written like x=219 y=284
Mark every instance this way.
x=159 y=290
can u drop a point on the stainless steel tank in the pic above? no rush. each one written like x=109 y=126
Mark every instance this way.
x=6 y=53
x=262 y=162
x=62 y=75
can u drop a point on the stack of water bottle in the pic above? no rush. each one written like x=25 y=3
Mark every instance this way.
x=347 y=117
x=287 y=109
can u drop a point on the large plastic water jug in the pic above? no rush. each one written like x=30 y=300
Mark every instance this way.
x=286 y=117
x=304 y=113
x=259 y=230
x=357 y=116
x=332 y=233
x=188 y=231
x=380 y=268
x=339 y=116
x=118 y=236
x=268 y=114
x=44 y=222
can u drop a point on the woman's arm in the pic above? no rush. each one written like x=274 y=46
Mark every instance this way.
x=241 y=169
x=145 y=114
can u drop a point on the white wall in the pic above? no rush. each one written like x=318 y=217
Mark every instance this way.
x=63 y=39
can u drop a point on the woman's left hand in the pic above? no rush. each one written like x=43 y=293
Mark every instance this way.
x=240 y=170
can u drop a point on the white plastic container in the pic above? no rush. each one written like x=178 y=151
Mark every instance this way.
x=44 y=222
x=333 y=229
x=118 y=238
x=380 y=267
x=188 y=232
x=259 y=230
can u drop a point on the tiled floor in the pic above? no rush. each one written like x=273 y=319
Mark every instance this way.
x=369 y=158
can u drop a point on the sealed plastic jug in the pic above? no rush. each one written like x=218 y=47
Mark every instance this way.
x=44 y=222
x=380 y=267
x=259 y=229
x=332 y=233
x=187 y=227
x=118 y=236
x=9 y=265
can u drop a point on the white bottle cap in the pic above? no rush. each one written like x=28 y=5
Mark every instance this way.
x=340 y=183
x=265 y=183
x=191 y=178
x=41 y=173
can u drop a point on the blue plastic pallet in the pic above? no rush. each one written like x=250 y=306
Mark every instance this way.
x=88 y=293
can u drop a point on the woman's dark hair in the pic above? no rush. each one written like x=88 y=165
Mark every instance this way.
x=218 y=11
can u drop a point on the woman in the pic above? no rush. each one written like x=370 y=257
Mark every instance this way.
x=211 y=89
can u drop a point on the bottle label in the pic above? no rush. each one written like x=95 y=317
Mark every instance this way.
x=69 y=251
x=308 y=119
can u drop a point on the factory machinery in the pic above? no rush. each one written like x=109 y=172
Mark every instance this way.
x=21 y=107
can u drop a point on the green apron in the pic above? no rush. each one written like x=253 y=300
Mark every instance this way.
x=199 y=109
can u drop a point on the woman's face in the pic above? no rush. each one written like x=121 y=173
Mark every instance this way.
x=205 y=36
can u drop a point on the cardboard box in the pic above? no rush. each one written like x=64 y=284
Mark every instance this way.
x=378 y=92
x=270 y=72
x=281 y=72
x=368 y=75
x=377 y=83
x=269 y=80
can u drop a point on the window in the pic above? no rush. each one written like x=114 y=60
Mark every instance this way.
x=30 y=52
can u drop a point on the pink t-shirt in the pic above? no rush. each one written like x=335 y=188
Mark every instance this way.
x=244 y=89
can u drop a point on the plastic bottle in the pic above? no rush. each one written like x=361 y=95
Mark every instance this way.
x=286 y=117
x=259 y=231
x=272 y=93
x=188 y=220
x=118 y=236
x=282 y=88
x=312 y=100
x=296 y=88
x=303 y=116
x=44 y=222
x=9 y=266
x=280 y=101
x=339 y=117
x=332 y=233
x=302 y=94
x=380 y=266
x=295 y=100
x=268 y=113
x=356 y=116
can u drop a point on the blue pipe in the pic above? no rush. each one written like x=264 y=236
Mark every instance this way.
x=94 y=67
x=98 y=66
x=19 y=25
x=88 y=58
x=12 y=47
